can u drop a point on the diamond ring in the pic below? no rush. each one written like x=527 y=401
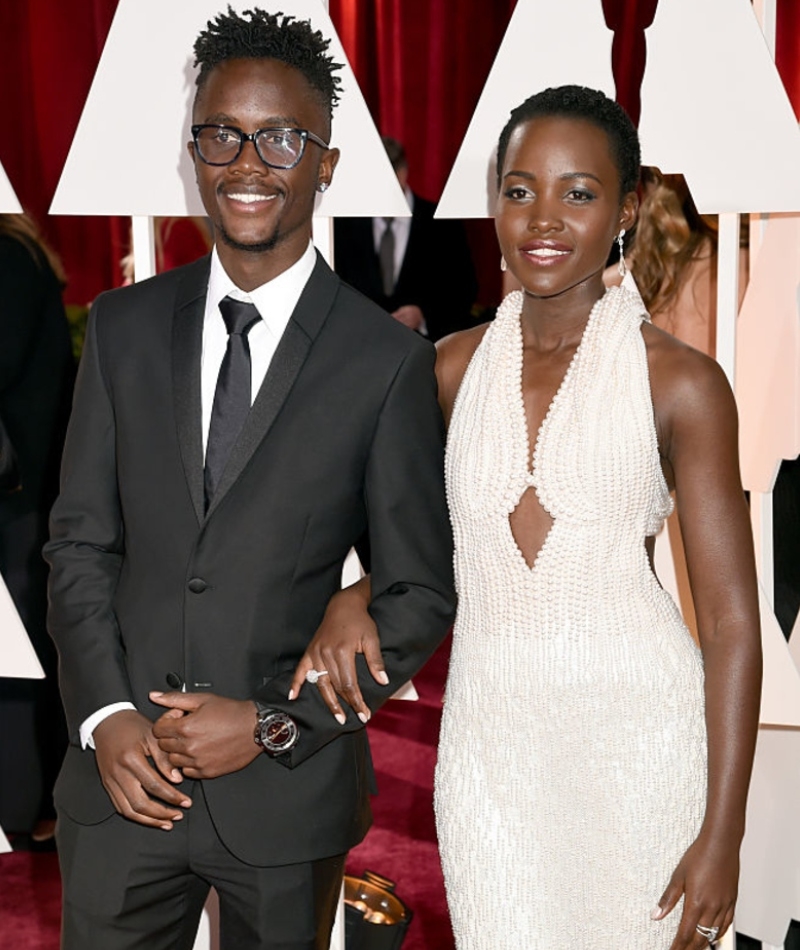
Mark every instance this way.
x=710 y=933
x=313 y=675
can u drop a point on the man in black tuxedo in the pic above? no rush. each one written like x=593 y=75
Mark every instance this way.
x=420 y=269
x=197 y=540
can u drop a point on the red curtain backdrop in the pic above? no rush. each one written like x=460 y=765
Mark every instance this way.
x=49 y=51
x=421 y=65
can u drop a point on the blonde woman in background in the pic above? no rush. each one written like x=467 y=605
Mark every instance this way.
x=673 y=258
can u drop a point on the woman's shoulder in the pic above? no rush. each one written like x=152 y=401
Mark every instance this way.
x=453 y=355
x=683 y=380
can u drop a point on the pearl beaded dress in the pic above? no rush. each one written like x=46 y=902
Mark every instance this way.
x=572 y=760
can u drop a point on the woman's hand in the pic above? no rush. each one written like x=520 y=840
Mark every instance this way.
x=346 y=629
x=708 y=877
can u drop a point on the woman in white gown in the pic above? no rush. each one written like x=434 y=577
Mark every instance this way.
x=593 y=760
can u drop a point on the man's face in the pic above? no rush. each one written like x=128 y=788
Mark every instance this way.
x=256 y=209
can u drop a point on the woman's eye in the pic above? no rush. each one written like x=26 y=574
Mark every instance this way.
x=580 y=194
x=516 y=192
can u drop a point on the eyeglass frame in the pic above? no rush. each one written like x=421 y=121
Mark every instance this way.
x=244 y=137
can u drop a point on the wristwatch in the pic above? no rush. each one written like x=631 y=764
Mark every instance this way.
x=276 y=732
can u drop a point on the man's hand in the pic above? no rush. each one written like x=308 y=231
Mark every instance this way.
x=410 y=316
x=205 y=735
x=124 y=743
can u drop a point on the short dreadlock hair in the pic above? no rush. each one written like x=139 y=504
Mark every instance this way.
x=590 y=105
x=269 y=36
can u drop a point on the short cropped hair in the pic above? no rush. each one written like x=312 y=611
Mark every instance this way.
x=257 y=34
x=589 y=105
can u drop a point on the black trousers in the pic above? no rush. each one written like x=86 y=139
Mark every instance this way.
x=130 y=887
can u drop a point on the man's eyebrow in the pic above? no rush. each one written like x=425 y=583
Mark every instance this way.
x=269 y=122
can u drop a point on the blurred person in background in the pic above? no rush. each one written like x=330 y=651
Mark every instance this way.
x=420 y=268
x=36 y=376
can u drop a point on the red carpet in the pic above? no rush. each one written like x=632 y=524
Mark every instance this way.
x=400 y=846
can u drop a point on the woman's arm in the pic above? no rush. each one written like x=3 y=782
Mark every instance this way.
x=697 y=420
x=347 y=629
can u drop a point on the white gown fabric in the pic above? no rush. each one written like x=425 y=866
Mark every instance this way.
x=572 y=761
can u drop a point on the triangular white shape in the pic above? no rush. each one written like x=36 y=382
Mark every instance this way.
x=713 y=105
x=768 y=356
x=5 y=847
x=546 y=44
x=17 y=656
x=9 y=203
x=715 y=109
x=105 y=175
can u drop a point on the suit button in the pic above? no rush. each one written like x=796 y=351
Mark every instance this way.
x=174 y=680
x=197 y=585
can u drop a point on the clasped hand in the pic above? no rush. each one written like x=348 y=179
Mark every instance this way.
x=201 y=735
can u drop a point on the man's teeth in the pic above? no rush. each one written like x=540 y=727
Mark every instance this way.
x=250 y=199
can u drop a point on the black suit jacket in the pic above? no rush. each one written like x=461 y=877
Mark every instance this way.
x=437 y=273
x=345 y=436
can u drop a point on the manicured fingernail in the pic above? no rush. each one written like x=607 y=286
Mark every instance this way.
x=176 y=776
x=383 y=678
x=340 y=718
x=186 y=803
x=166 y=827
x=363 y=717
x=156 y=695
x=291 y=694
x=655 y=913
x=178 y=817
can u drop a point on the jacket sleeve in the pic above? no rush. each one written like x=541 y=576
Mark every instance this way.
x=86 y=547
x=411 y=552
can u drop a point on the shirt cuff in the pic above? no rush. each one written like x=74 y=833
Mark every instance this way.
x=89 y=725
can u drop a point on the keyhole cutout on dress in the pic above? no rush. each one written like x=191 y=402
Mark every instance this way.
x=542 y=380
x=530 y=525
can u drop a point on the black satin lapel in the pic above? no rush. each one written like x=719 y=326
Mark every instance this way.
x=309 y=315
x=187 y=346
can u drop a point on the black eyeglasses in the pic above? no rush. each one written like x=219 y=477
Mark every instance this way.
x=278 y=148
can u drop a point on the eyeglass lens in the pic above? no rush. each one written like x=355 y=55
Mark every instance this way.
x=278 y=147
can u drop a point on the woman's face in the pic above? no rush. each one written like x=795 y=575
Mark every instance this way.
x=559 y=207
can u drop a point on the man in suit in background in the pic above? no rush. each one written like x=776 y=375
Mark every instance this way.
x=227 y=447
x=420 y=268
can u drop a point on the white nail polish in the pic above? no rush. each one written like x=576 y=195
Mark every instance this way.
x=655 y=913
x=340 y=718
x=383 y=678
x=363 y=717
x=291 y=694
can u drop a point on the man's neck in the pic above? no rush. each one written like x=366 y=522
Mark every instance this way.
x=249 y=270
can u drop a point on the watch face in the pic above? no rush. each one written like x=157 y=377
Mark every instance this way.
x=278 y=732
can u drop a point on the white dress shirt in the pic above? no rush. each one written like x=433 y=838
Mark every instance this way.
x=275 y=302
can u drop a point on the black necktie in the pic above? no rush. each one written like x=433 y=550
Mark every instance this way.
x=233 y=392
x=386 y=257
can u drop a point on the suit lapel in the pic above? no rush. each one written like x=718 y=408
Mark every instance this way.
x=187 y=347
x=309 y=315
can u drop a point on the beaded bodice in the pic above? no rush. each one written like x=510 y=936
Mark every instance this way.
x=594 y=466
